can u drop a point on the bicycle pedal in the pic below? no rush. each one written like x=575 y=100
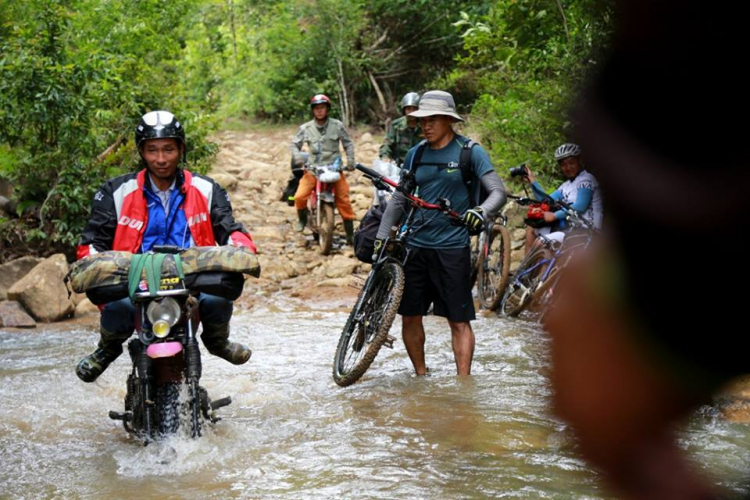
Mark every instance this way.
x=389 y=341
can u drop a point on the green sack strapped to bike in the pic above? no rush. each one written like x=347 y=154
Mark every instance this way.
x=108 y=276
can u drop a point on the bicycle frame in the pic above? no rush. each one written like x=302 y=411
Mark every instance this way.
x=395 y=248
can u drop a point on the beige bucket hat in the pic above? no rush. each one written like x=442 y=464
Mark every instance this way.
x=436 y=102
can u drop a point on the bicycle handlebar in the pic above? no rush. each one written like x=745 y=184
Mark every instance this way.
x=382 y=182
x=571 y=212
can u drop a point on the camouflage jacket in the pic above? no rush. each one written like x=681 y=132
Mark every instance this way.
x=400 y=139
x=323 y=142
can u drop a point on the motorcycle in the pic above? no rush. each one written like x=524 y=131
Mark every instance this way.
x=321 y=203
x=390 y=170
x=163 y=388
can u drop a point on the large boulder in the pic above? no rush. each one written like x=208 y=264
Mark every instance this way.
x=13 y=315
x=42 y=291
x=340 y=266
x=12 y=271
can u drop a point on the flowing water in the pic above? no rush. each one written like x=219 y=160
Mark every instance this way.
x=291 y=433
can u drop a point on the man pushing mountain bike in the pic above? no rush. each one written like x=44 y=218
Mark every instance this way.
x=439 y=265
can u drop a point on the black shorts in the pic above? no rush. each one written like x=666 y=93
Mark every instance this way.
x=441 y=277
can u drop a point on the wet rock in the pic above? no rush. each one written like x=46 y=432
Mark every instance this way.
x=268 y=233
x=341 y=266
x=12 y=271
x=518 y=235
x=228 y=182
x=13 y=315
x=85 y=308
x=334 y=282
x=734 y=401
x=42 y=291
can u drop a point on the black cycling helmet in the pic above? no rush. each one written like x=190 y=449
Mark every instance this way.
x=159 y=125
x=566 y=150
x=320 y=99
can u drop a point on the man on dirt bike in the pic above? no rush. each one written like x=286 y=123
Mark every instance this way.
x=162 y=204
x=580 y=190
x=404 y=133
x=439 y=266
x=323 y=135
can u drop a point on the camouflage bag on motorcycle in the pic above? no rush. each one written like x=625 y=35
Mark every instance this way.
x=103 y=277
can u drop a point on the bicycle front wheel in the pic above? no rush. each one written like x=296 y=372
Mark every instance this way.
x=369 y=322
x=494 y=266
x=528 y=276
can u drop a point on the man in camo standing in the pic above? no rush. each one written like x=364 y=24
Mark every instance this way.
x=404 y=133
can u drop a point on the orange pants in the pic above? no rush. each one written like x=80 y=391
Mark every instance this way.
x=340 y=190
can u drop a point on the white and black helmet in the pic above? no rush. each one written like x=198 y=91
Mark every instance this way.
x=567 y=149
x=159 y=125
x=410 y=99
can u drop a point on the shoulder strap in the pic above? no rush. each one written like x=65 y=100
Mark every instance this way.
x=464 y=161
x=416 y=159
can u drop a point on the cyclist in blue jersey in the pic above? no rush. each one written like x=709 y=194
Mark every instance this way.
x=438 y=269
x=580 y=190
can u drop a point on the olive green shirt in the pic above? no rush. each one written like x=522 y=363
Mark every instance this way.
x=400 y=139
x=323 y=142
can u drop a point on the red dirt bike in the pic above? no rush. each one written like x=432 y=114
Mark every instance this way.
x=322 y=202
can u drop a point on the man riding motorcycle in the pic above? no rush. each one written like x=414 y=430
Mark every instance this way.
x=323 y=135
x=162 y=204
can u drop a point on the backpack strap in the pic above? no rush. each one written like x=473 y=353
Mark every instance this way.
x=464 y=163
x=416 y=159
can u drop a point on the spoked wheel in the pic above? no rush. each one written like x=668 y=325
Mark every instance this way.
x=542 y=297
x=520 y=290
x=494 y=266
x=369 y=322
x=325 y=229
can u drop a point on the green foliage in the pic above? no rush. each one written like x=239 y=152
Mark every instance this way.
x=75 y=76
x=524 y=61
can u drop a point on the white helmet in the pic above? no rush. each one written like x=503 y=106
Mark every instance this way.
x=567 y=149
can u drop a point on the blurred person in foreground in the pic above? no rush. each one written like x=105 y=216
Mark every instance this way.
x=636 y=347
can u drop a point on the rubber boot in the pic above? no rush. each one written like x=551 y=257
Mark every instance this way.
x=216 y=340
x=349 y=228
x=93 y=365
x=302 y=222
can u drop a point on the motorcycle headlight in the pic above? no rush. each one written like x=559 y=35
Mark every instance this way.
x=163 y=315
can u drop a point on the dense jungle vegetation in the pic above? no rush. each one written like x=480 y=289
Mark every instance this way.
x=75 y=75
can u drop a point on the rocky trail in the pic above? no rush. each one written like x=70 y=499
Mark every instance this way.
x=254 y=168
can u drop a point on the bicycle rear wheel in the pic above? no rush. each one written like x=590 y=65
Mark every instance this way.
x=494 y=266
x=528 y=276
x=369 y=322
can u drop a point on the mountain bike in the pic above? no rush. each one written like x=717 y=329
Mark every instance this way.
x=536 y=277
x=491 y=263
x=366 y=329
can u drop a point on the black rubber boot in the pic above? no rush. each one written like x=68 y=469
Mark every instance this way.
x=349 y=228
x=302 y=222
x=216 y=340
x=93 y=365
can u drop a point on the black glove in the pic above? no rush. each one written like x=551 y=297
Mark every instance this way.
x=474 y=220
x=376 y=248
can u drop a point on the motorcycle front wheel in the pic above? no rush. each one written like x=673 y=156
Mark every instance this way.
x=325 y=229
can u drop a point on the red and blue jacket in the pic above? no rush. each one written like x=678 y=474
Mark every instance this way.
x=126 y=215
